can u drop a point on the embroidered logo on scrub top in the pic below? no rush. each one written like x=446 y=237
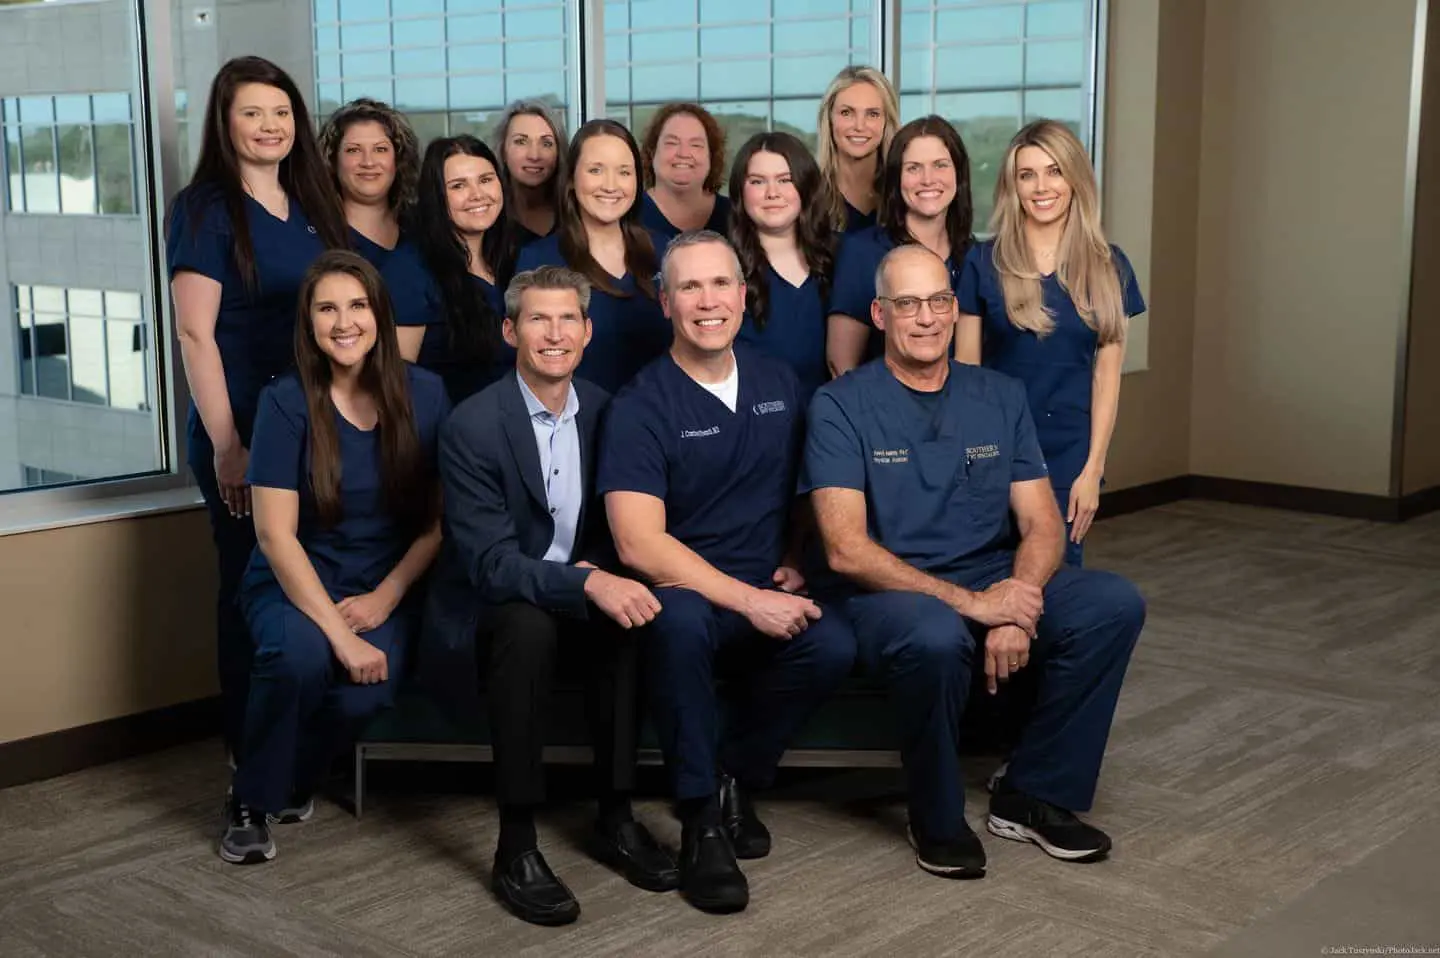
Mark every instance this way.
x=991 y=451
x=699 y=433
x=765 y=408
x=889 y=456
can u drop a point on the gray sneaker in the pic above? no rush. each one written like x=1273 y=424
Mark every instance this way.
x=299 y=811
x=245 y=839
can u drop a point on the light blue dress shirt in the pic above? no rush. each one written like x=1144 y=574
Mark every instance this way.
x=558 y=439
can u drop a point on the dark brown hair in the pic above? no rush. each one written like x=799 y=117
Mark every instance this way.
x=714 y=141
x=401 y=135
x=303 y=173
x=813 y=234
x=409 y=486
x=959 y=219
x=640 y=259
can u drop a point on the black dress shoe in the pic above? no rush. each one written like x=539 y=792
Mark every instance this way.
x=710 y=878
x=528 y=887
x=631 y=850
x=748 y=835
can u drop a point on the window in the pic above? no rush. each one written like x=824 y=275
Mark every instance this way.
x=990 y=67
x=451 y=65
x=82 y=345
x=756 y=64
x=69 y=154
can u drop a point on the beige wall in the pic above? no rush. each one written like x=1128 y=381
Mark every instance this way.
x=105 y=620
x=1421 y=456
x=1301 y=260
x=1153 y=114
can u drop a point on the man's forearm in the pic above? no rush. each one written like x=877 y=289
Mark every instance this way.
x=1039 y=553
x=871 y=565
x=668 y=563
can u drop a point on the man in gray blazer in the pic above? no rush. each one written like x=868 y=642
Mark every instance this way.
x=517 y=588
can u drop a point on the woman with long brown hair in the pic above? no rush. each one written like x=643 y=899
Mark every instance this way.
x=599 y=235
x=781 y=231
x=346 y=499
x=531 y=145
x=259 y=209
x=1049 y=301
x=925 y=199
x=374 y=159
x=684 y=155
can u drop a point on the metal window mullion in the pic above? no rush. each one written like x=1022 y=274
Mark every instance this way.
x=69 y=346
x=55 y=156
x=105 y=347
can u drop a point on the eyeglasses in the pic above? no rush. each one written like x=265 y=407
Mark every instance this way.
x=907 y=306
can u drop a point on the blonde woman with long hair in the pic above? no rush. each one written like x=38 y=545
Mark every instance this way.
x=858 y=117
x=1048 y=301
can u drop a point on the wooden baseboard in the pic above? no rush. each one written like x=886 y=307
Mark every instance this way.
x=1328 y=502
x=70 y=750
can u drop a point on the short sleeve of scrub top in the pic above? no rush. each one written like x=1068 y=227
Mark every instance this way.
x=834 y=452
x=200 y=238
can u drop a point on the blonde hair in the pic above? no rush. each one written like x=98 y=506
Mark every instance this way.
x=1084 y=264
x=827 y=156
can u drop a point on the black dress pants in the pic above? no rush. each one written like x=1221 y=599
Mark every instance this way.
x=521 y=648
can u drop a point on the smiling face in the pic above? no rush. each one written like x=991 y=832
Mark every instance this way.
x=605 y=179
x=927 y=177
x=550 y=334
x=771 y=199
x=531 y=150
x=704 y=297
x=342 y=320
x=262 y=126
x=921 y=339
x=857 y=120
x=472 y=193
x=365 y=164
x=1043 y=190
x=682 y=157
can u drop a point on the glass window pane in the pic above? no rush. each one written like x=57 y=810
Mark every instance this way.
x=959 y=27
x=327 y=66
x=48 y=299
x=797 y=117
x=25 y=351
x=807 y=75
x=364 y=9
x=72 y=109
x=127 y=362
x=37 y=109
x=87 y=360
x=534 y=54
x=377 y=88
x=9 y=110
x=732 y=42
x=530 y=86
x=1067 y=18
x=658 y=84
x=661 y=13
x=418 y=33
x=1061 y=61
x=428 y=126
x=326 y=10
x=42 y=181
x=475 y=123
x=426 y=94
x=477 y=92
x=365 y=66
x=122 y=305
x=742 y=78
x=111 y=107
x=114 y=166
x=89 y=303
x=481 y=29
x=530 y=23
x=51 y=357
x=971 y=67
x=663 y=45
x=364 y=36
x=1067 y=106
x=14 y=170
x=77 y=170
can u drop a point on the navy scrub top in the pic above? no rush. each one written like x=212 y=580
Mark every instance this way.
x=727 y=478
x=655 y=221
x=936 y=475
x=628 y=331
x=854 y=287
x=255 y=329
x=1058 y=371
x=354 y=555
x=371 y=250
x=855 y=221
x=418 y=302
x=794 y=329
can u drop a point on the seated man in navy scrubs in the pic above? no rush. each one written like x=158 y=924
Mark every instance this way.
x=698 y=468
x=515 y=590
x=914 y=463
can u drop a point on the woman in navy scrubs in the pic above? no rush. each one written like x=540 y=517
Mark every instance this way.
x=781 y=231
x=858 y=117
x=684 y=155
x=1051 y=301
x=926 y=185
x=448 y=280
x=532 y=158
x=257 y=212
x=599 y=235
x=347 y=513
x=374 y=159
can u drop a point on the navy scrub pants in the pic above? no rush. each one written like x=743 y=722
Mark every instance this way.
x=773 y=686
x=234 y=541
x=928 y=654
x=303 y=709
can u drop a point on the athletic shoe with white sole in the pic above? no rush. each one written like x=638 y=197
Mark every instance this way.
x=245 y=838
x=960 y=857
x=299 y=810
x=1020 y=818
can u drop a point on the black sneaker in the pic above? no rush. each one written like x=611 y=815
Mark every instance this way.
x=245 y=838
x=299 y=810
x=961 y=857
x=710 y=878
x=748 y=835
x=1020 y=818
